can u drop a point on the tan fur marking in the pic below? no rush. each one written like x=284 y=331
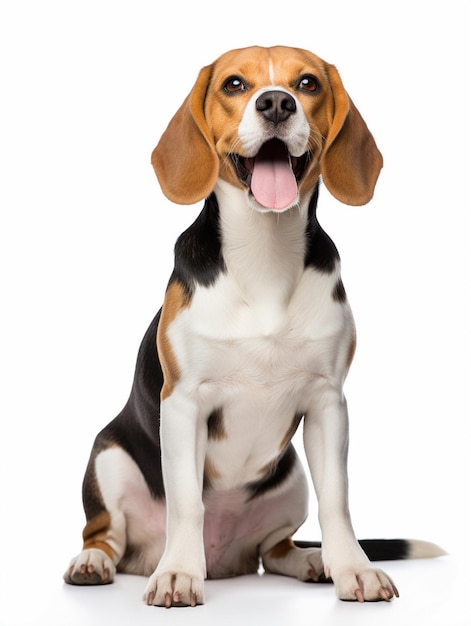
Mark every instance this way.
x=95 y=533
x=175 y=301
x=290 y=433
x=210 y=471
x=268 y=469
x=282 y=549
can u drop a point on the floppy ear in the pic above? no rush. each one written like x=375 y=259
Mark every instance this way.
x=351 y=161
x=185 y=158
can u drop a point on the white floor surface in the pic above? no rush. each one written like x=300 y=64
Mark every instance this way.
x=433 y=593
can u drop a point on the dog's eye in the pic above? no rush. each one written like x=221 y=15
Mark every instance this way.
x=308 y=83
x=234 y=84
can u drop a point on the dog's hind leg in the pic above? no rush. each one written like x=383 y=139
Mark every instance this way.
x=287 y=559
x=104 y=535
x=289 y=509
x=95 y=565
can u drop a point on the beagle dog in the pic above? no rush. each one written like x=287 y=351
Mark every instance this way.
x=197 y=476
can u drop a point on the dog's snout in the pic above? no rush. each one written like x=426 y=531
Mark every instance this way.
x=276 y=106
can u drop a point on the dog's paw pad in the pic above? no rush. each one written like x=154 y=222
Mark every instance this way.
x=90 y=567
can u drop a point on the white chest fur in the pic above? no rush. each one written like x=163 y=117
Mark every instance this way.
x=262 y=340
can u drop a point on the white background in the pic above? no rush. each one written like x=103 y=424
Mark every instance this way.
x=86 y=249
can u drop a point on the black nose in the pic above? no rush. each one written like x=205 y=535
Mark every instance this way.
x=275 y=106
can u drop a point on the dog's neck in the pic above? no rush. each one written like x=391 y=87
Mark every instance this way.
x=263 y=252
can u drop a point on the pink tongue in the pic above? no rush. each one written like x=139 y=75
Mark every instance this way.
x=273 y=182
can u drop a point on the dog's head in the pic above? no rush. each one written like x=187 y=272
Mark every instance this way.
x=269 y=121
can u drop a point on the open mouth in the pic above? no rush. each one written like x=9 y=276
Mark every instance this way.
x=272 y=174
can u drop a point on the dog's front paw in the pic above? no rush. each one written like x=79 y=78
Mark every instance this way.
x=90 y=567
x=364 y=584
x=174 y=589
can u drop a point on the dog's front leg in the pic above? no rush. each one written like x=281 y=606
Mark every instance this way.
x=178 y=579
x=326 y=445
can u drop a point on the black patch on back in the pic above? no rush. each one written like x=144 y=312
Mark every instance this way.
x=276 y=477
x=136 y=428
x=198 y=256
x=321 y=252
x=198 y=261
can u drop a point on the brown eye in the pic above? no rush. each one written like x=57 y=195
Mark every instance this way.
x=234 y=84
x=308 y=83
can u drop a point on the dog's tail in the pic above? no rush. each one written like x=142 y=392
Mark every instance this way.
x=390 y=549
